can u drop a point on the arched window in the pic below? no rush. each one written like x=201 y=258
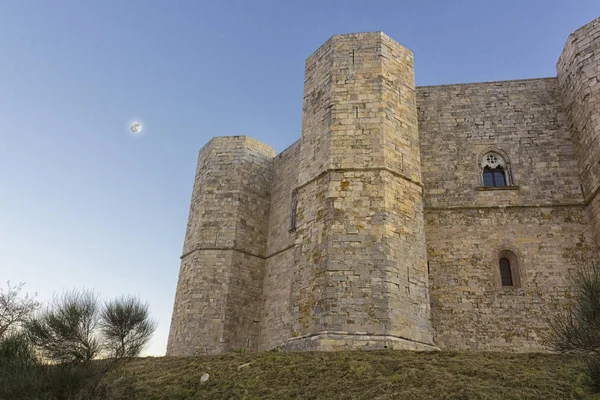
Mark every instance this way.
x=505 y=272
x=495 y=170
x=508 y=268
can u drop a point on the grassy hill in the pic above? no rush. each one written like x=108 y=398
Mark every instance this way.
x=348 y=375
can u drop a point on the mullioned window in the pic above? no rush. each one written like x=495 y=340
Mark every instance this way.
x=495 y=170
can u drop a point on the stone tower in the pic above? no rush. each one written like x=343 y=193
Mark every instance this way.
x=579 y=78
x=356 y=274
x=360 y=275
x=217 y=305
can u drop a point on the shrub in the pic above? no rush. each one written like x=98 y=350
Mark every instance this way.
x=576 y=328
x=15 y=309
x=71 y=332
x=65 y=331
x=24 y=376
x=20 y=371
x=76 y=380
x=126 y=326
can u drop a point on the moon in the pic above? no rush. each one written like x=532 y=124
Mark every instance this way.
x=136 y=127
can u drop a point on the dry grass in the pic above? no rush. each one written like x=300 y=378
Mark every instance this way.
x=348 y=375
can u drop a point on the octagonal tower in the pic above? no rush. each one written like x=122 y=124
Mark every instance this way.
x=360 y=276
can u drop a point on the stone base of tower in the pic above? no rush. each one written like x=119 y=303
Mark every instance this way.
x=338 y=341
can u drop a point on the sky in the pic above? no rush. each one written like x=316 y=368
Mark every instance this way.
x=85 y=204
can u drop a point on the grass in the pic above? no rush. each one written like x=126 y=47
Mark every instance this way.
x=348 y=375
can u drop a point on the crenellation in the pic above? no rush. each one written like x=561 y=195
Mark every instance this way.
x=422 y=218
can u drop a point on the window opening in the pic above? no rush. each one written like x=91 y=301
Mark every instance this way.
x=505 y=272
x=293 y=213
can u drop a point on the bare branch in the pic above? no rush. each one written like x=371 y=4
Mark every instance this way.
x=15 y=310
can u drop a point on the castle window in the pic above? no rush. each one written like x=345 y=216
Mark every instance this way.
x=293 y=212
x=505 y=272
x=495 y=169
x=508 y=267
x=494 y=177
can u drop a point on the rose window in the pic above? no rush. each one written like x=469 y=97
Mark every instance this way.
x=492 y=159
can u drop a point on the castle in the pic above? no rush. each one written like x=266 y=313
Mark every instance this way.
x=405 y=217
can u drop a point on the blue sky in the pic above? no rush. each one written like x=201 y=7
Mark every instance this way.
x=85 y=204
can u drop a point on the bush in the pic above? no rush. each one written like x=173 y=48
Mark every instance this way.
x=126 y=327
x=19 y=368
x=71 y=332
x=576 y=328
x=75 y=380
x=14 y=309
x=65 y=332
x=16 y=348
x=23 y=376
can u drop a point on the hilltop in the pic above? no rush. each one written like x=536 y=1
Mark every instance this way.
x=348 y=375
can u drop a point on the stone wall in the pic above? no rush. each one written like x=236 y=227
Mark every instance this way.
x=276 y=306
x=540 y=218
x=524 y=119
x=579 y=77
x=470 y=308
